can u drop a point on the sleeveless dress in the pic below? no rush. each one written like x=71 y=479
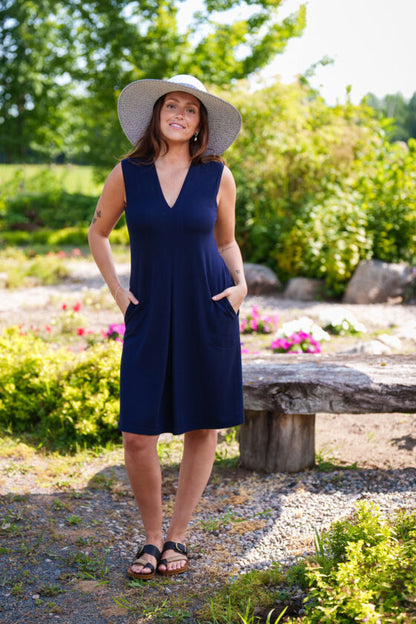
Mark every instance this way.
x=181 y=359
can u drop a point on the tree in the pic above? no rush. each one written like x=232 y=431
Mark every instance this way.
x=64 y=63
x=411 y=117
x=400 y=111
x=32 y=59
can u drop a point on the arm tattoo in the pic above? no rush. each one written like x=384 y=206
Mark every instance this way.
x=226 y=249
x=96 y=216
x=238 y=271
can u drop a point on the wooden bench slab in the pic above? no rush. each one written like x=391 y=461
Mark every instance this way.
x=282 y=394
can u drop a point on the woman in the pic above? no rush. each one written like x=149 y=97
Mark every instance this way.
x=181 y=361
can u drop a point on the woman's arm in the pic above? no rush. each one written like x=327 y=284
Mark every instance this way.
x=226 y=243
x=109 y=209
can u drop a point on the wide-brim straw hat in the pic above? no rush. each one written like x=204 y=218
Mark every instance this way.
x=136 y=101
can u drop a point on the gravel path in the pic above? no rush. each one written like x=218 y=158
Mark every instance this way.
x=67 y=541
x=65 y=550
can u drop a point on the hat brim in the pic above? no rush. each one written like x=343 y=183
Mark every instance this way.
x=135 y=108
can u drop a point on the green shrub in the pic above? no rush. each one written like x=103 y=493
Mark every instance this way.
x=319 y=187
x=72 y=236
x=64 y=399
x=368 y=571
x=22 y=270
x=327 y=241
x=388 y=189
x=42 y=200
x=51 y=209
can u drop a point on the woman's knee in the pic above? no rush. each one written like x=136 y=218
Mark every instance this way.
x=137 y=444
x=201 y=436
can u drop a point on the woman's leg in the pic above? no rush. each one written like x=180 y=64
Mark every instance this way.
x=196 y=466
x=143 y=470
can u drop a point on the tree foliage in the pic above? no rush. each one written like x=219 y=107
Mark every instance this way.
x=320 y=188
x=33 y=56
x=402 y=112
x=64 y=63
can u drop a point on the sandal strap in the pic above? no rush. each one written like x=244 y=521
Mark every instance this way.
x=149 y=549
x=166 y=561
x=176 y=546
x=145 y=564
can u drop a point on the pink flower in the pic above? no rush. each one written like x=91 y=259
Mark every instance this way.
x=253 y=324
x=64 y=306
x=116 y=331
x=255 y=311
x=48 y=328
x=76 y=307
x=81 y=331
x=76 y=252
x=61 y=254
x=243 y=325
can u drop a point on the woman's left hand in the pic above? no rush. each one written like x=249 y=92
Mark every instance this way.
x=234 y=294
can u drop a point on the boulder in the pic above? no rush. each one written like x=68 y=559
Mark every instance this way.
x=375 y=281
x=304 y=289
x=391 y=341
x=261 y=280
x=373 y=347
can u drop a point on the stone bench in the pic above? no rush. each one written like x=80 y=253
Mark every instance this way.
x=282 y=394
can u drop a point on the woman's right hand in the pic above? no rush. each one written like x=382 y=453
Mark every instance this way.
x=123 y=297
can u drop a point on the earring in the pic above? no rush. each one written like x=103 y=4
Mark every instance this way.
x=195 y=137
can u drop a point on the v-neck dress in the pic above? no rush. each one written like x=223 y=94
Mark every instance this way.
x=181 y=360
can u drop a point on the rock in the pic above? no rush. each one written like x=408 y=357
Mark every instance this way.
x=304 y=289
x=374 y=347
x=375 y=281
x=391 y=341
x=406 y=332
x=261 y=280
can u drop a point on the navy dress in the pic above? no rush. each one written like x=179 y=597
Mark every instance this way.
x=181 y=360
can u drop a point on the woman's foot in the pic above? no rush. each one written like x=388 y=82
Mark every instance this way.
x=174 y=559
x=145 y=563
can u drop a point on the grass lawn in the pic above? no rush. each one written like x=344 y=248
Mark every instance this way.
x=73 y=178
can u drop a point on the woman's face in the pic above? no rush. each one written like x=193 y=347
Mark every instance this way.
x=179 y=117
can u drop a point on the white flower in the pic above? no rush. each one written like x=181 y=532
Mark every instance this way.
x=338 y=317
x=304 y=324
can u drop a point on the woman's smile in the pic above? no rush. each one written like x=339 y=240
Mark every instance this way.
x=180 y=113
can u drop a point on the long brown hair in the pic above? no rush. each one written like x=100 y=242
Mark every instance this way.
x=151 y=144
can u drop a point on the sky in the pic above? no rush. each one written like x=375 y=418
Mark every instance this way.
x=372 y=43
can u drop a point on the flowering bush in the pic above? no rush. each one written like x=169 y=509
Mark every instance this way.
x=341 y=323
x=299 y=336
x=70 y=320
x=30 y=269
x=304 y=324
x=67 y=399
x=258 y=323
x=300 y=342
x=116 y=332
x=245 y=350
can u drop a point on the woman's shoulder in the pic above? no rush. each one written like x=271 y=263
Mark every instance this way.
x=134 y=168
x=211 y=166
x=134 y=162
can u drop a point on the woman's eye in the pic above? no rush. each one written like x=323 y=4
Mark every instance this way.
x=170 y=106
x=192 y=110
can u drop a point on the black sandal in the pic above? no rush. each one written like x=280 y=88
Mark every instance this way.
x=182 y=556
x=148 y=549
